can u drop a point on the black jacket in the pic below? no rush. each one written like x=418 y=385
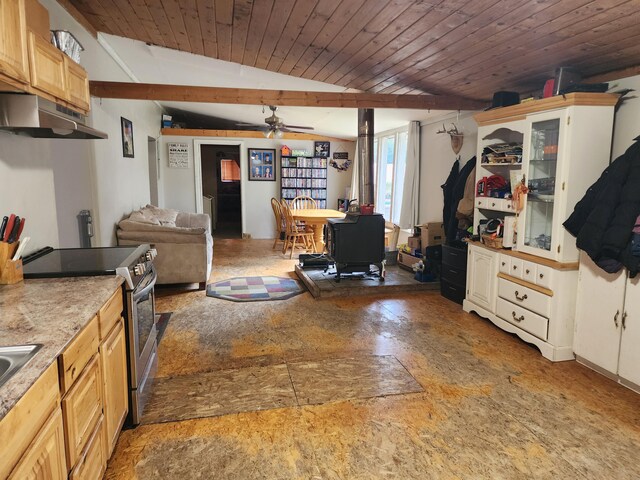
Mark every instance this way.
x=447 y=191
x=603 y=220
x=451 y=228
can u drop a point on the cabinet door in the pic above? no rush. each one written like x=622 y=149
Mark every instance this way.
x=77 y=84
x=113 y=354
x=45 y=458
x=629 y=366
x=93 y=462
x=599 y=305
x=13 y=41
x=482 y=277
x=48 y=72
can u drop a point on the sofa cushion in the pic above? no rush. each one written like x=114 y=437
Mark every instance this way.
x=132 y=226
x=166 y=216
x=144 y=216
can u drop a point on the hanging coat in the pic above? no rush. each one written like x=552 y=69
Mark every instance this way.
x=451 y=228
x=447 y=190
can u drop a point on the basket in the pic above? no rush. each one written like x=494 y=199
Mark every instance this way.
x=492 y=242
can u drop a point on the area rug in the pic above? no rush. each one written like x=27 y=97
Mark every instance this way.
x=254 y=289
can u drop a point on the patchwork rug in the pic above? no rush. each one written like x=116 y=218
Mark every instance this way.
x=254 y=289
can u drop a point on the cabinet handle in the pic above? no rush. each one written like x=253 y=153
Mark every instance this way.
x=516 y=318
x=522 y=298
x=527 y=271
x=542 y=275
x=493 y=204
x=504 y=263
x=515 y=267
x=615 y=318
x=624 y=321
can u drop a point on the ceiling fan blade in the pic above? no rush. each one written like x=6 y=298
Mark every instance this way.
x=298 y=127
x=255 y=125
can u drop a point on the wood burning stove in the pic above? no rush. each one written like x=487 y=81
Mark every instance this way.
x=356 y=242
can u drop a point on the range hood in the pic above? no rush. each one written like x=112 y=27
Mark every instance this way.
x=32 y=116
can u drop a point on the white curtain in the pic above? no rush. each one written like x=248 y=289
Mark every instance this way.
x=355 y=176
x=411 y=190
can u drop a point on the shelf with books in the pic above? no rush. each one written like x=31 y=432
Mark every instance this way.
x=304 y=176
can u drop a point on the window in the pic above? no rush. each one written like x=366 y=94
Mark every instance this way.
x=390 y=160
x=229 y=171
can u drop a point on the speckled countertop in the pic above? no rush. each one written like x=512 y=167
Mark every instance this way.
x=50 y=312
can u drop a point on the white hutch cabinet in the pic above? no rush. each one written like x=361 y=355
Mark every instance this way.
x=530 y=290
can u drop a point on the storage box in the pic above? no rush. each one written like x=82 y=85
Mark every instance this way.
x=431 y=234
x=414 y=243
x=407 y=261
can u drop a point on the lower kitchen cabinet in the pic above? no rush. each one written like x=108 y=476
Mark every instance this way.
x=482 y=268
x=45 y=458
x=113 y=356
x=93 y=462
x=608 y=323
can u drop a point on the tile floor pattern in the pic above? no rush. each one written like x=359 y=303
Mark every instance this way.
x=492 y=407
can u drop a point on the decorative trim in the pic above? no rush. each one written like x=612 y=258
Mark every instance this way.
x=194 y=132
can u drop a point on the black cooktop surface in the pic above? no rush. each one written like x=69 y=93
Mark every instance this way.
x=76 y=262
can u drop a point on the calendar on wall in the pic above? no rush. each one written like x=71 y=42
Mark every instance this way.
x=304 y=176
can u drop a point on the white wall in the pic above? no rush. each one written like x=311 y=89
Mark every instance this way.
x=627 y=123
x=436 y=160
x=179 y=183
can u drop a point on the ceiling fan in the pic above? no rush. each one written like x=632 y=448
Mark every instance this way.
x=275 y=126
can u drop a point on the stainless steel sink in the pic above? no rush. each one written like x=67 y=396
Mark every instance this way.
x=13 y=359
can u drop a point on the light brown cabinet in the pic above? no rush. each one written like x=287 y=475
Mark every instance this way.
x=47 y=65
x=113 y=355
x=45 y=459
x=77 y=85
x=93 y=461
x=14 y=63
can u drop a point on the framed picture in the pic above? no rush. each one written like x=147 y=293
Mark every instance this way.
x=262 y=164
x=127 y=137
x=321 y=149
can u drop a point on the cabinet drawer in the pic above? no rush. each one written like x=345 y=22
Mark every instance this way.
x=525 y=297
x=454 y=257
x=529 y=270
x=516 y=267
x=78 y=354
x=543 y=276
x=505 y=264
x=110 y=313
x=455 y=293
x=523 y=318
x=82 y=410
x=93 y=461
x=457 y=276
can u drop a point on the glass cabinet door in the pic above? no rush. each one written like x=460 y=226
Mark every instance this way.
x=541 y=180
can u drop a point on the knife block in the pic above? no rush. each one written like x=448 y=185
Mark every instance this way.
x=10 y=270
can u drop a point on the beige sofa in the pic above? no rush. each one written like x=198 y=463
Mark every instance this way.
x=183 y=241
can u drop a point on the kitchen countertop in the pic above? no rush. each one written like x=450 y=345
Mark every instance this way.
x=50 y=312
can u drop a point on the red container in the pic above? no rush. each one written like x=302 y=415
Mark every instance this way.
x=366 y=209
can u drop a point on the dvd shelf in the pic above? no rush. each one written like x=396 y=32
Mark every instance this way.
x=304 y=176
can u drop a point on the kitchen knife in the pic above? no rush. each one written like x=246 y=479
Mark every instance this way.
x=3 y=226
x=14 y=230
x=20 y=249
x=20 y=229
x=7 y=231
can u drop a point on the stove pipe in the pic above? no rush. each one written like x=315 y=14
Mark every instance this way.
x=365 y=155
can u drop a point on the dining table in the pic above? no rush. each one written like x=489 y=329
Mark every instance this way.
x=315 y=218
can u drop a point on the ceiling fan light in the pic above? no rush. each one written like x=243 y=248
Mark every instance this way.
x=267 y=134
x=278 y=133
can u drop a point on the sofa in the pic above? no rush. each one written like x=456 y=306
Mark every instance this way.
x=183 y=241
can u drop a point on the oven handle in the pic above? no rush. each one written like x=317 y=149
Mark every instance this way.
x=145 y=291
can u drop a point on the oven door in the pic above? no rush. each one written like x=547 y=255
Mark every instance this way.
x=142 y=326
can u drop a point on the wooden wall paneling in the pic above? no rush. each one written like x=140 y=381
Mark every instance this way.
x=318 y=19
x=296 y=22
x=368 y=12
x=146 y=20
x=412 y=50
x=80 y=17
x=207 y=17
x=547 y=25
x=224 y=24
x=120 y=19
x=160 y=17
x=129 y=16
x=96 y=8
x=620 y=58
x=241 y=17
x=257 y=28
x=189 y=11
x=277 y=21
x=372 y=34
x=333 y=27
x=174 y=14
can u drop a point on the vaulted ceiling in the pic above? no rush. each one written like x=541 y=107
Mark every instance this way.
x=469 y=48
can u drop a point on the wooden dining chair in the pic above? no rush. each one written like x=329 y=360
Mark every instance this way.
x=303 y=202
x=280 y=226
x=294 y=233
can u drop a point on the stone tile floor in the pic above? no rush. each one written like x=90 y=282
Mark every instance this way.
x=492 y=406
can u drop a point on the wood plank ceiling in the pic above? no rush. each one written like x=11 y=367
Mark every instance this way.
x=469 y=48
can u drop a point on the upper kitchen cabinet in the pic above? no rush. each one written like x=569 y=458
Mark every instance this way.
x=48 y=67
x=14 y=63
x=565 y=147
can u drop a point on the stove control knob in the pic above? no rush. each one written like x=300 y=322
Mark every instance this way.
x=139 y=269
x=150 y=255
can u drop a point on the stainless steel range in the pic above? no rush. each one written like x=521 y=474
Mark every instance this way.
x=135 y=264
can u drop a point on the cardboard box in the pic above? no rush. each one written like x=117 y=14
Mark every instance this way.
x=414 y=243
x=407 y=261
x=431 y=234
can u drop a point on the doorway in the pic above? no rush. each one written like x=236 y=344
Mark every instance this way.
x=221 y=188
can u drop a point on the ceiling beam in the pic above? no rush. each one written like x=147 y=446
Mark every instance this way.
x=198 y=132
x=290 y=98
x=79 y=17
